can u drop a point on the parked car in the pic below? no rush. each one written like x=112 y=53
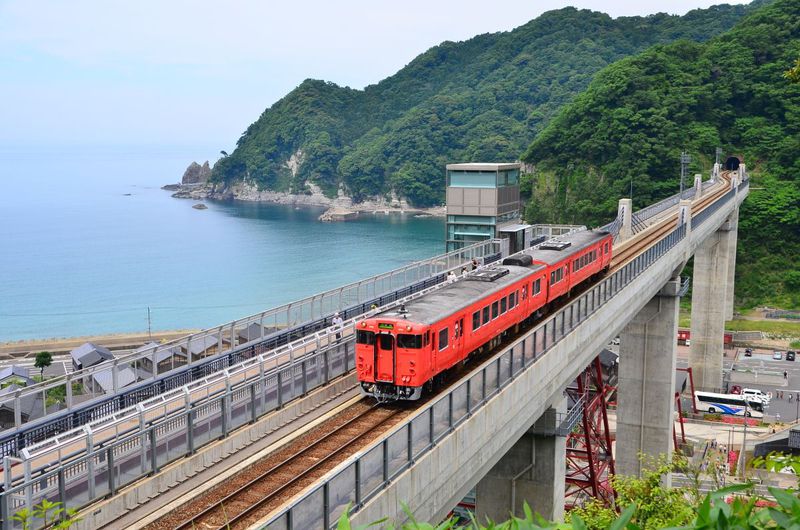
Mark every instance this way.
x=748 y=352
x=757 y=394
x=777 y=356
x=790 y=355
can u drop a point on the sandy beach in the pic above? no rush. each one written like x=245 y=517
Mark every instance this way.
x=116 y=341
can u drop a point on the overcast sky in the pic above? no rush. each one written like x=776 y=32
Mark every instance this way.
x=199 y=72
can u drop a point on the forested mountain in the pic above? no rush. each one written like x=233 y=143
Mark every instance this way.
x=484 y=99
x=630 y=125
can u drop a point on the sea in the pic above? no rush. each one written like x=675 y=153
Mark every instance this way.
x=89 y=241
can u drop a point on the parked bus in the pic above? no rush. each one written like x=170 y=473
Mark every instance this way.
x=734 y=404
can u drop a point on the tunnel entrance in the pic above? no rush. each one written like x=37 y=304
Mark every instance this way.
x=732 y=163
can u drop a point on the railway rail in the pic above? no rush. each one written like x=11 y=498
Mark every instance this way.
x=626 y=253
x=252 y=499
x=249 y=496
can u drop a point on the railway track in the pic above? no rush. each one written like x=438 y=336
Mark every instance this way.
x=661 y=228
x=250 y=495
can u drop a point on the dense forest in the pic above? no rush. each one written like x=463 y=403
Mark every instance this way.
x=483 y=99
x=626 y=132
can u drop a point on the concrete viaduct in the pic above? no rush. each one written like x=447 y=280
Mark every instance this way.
x=500 y=449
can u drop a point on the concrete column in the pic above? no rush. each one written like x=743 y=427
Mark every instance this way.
x=645 y=395
x=625 y=209
x=531 y=471
x=733 y=237
x=685 y=214
x=698 y=185
x=709 y=303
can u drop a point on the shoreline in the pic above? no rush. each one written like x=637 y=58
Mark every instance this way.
x=23 y=348
x=342 y=208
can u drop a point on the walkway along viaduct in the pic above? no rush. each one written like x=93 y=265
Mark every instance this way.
x=486 y=431
x=501 y=429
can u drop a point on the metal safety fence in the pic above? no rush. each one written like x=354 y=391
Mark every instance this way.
x=361 y=479
x=79 y=481
x=157 y=370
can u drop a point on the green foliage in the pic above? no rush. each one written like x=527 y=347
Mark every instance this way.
x=43 y=360
x=624 y=135
x=482 y=99
x=52 y=514
x=793 y=73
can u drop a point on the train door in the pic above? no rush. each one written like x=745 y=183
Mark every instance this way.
x=384 y=358
x=458 y=339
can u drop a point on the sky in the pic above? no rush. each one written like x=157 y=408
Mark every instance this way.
x=199 y=72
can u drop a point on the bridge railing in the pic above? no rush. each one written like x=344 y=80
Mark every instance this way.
x=87 y=477
x=372 y=471
x=225 y=346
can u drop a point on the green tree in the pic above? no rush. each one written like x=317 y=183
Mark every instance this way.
x=793 y=73
x=43 y=360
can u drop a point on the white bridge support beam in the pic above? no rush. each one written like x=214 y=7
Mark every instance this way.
x=710 y=303
x=625 y=209
x=531 y=471
x=645 y=402
x=733 y=238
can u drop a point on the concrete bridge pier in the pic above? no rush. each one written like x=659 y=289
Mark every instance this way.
x=531 y=471
x=645 y=395
x=712 y=302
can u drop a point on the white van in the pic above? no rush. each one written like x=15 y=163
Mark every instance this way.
x=758 y=394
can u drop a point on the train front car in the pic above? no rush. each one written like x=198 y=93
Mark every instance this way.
x=391 y=353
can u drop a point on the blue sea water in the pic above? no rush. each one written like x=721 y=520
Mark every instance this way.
x=88 y=241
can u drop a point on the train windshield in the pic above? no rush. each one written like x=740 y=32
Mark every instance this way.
x=409 y=341
x=365 y=337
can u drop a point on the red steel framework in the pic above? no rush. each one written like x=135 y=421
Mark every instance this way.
x=590 y=461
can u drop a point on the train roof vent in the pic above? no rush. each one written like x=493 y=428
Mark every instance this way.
x=488 y=275
x=554 y=244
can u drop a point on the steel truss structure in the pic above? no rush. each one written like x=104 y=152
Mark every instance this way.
x=590 y=461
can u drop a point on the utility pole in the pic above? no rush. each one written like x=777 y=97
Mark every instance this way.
x=744 y=443
x=718 y=154
x=685 y=159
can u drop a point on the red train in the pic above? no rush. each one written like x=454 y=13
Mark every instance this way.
x=400 y=351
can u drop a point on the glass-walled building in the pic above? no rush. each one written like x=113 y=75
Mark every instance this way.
x=481 y=199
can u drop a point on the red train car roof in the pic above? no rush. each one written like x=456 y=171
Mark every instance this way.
x=578 y=241
x=450 y=299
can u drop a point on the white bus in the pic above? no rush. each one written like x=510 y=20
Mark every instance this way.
x=733 y=404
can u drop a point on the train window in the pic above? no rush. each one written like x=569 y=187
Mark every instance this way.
x=537 y=286
x=512 y=300
x=495 y=310
x=503 y=305
x=386 y=341
x=476 y=320
x=443 y=339
x=606 y=247
x=409 y=341
x=575 y=265
x=486 y=314
x=552 y=277
x=365 y=337
x=427 y=338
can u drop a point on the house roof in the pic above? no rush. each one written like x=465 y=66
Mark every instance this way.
x=125 y=377
x=251 y=332
x=89 y=354
x=163 y=353
x=30 y=404
x=200 y=344
x=15 y=371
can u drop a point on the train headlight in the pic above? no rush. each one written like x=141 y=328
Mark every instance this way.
x=408 y=328
x=363 y=323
